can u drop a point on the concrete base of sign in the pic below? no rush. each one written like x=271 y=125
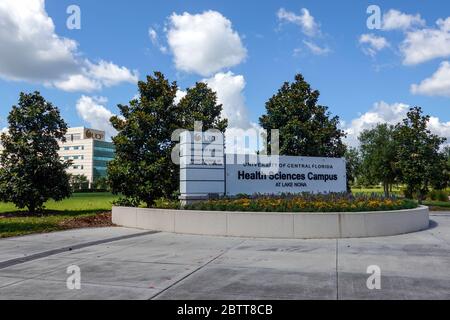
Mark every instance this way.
x=275 y=225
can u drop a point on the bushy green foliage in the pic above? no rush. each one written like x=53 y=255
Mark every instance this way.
x=78 y=182
x=420 y=163
x=439 y=195
x=407 y=154
x=353 y=166
x=167 y=204
x=306 y=128
x=142 y=170
x=31 y=170
x=379 y=156
x=101 y=184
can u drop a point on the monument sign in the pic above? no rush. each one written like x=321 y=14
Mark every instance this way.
x=207 y=171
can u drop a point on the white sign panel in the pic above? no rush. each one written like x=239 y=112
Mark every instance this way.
x=267 y=175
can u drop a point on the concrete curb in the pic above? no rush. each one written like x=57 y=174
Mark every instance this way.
x=275 y=225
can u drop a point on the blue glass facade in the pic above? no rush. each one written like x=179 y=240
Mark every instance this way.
x=103 y=153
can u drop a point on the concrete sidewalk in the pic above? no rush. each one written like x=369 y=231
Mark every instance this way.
x=169 y=266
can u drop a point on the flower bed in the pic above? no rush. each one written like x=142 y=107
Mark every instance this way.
x=305 y=203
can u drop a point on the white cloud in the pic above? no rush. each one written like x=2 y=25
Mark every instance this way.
x=437 y=85
x=305 y=20
x=30 y=48
x=373 y=44
x=426 y=44
x=383 y=112
x=396 y=20
x=315 y=49
x=230 y=93
x=110 y=74
x=93 y=112
x=32 y=51
x=180 y=95
x=78 y=82
x=244 y=141
x=154 y=37
x=442 y=129
x=204 y=43
x=96 y=76
x=242 y=136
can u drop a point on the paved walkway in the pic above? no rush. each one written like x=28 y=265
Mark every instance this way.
x=119 y=263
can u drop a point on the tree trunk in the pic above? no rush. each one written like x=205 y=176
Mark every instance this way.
x=32 y=209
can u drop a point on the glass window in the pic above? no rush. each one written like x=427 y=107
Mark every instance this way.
x=104 y=149
x=103 y=158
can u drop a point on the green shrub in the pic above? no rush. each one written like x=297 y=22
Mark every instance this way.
x=166 y=204
x=125 y=202
x=439 y=195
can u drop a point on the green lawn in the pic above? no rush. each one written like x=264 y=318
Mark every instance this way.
x=438 y=205
x=378 y=190
x=434 y=205
x=14 y=222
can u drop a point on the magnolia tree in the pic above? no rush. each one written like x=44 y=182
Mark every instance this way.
x=31 y=171
x=142 y=171
x=306 y=128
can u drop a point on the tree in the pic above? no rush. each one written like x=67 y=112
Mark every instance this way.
x=101 y=183
x=379 y=156
x=306 y=128
x=78 y=182
x=200 y=104
x=142 y=170
x=353 y=165
x=419 y=160
x=446 y=155
x=31 y=170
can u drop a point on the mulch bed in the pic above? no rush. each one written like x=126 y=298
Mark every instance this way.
x=98 y=221
x=103 y=219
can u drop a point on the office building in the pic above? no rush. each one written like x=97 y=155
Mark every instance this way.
x=89 y=152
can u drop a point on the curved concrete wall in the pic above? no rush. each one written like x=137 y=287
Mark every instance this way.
x=275 y=225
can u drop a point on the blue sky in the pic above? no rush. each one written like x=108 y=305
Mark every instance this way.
x=365 y=76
